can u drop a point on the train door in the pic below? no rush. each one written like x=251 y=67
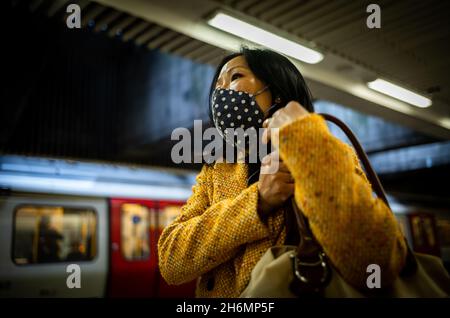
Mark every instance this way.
x=167 y=212
x=133 y=266
x=52 y=246
x=424 y=233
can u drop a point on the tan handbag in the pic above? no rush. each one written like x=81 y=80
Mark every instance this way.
x=304 y=270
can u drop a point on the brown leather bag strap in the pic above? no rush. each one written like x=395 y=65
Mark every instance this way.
x=309 y=263
x=370 y=173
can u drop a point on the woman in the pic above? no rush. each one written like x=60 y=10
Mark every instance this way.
x=236 y=213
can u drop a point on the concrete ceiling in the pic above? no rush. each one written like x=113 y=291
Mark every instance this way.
x=412 y=48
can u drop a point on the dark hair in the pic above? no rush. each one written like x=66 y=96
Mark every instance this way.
x=275 y=70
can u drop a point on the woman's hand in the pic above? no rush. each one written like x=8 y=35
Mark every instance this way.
x=274 y=189
x=284 y=116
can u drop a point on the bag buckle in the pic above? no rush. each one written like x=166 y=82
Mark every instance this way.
x=297 y=264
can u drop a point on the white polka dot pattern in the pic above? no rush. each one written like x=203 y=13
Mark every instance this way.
x=235 y=109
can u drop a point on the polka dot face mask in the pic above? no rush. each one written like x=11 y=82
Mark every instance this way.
x=235 y=109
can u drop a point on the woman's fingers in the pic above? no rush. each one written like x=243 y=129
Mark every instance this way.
x=266 y=133
x=270 y=160
x=283 y=168
x=286 y=177
x=275 y=187
x=288 y=190
x=265 y=137
x=283 y=171
x=286 y=115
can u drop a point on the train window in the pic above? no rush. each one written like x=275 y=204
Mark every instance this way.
x=423 y=230
x=135 y=228
x=48 y=234
x=443 y=227
x=169 y=214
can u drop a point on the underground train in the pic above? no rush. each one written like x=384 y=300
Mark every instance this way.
x=106 y=219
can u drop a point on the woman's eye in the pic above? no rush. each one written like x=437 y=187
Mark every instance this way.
x=236 y=76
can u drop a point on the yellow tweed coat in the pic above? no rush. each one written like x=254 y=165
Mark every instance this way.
x=218 y=237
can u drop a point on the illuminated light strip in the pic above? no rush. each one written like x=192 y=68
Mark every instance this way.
x=90 y=187
x=400 y=93
x=257 y=35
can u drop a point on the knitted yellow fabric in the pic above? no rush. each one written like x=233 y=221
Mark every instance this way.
x=218 y=237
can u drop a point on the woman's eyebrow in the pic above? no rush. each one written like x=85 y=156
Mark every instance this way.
x=237 y=66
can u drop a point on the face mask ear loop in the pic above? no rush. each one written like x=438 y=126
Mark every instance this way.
x=261 y=90
x=270 y=112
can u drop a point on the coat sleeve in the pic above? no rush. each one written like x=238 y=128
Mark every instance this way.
x=206 y=235
x=354 y=227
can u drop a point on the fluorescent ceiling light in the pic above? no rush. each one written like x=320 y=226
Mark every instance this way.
x=400 y=93
x=257 y=35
